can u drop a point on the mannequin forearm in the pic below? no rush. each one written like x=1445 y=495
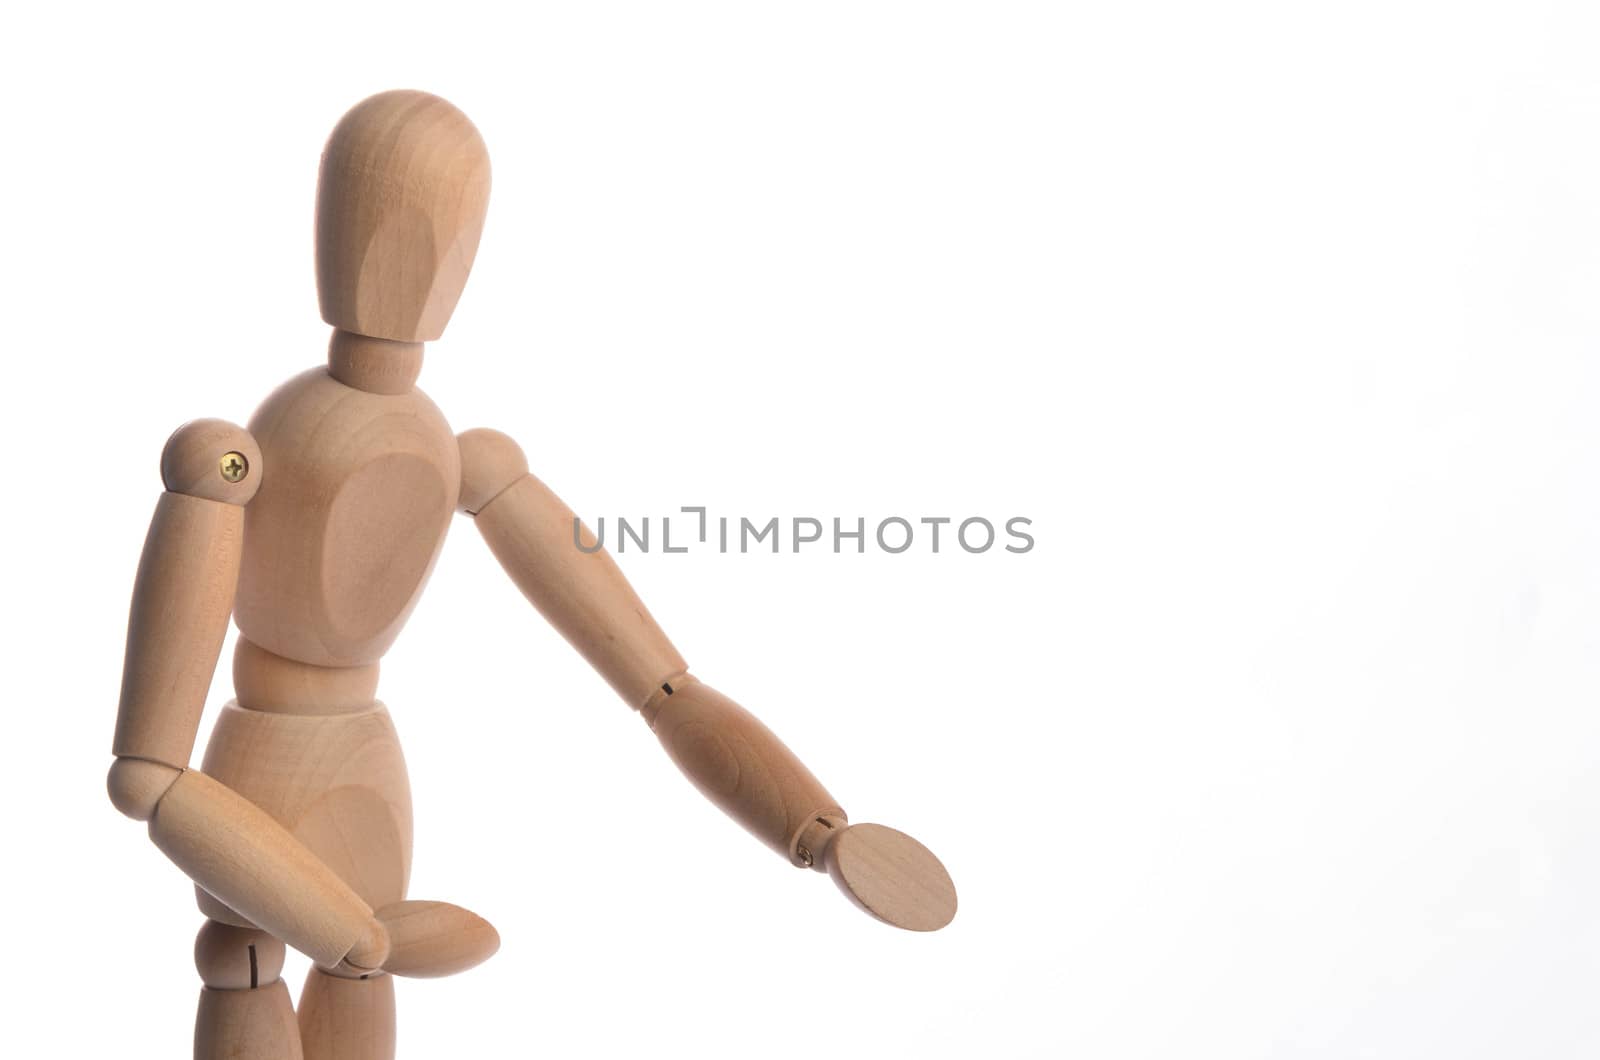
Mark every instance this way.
x=237 y=852
x=741 y=766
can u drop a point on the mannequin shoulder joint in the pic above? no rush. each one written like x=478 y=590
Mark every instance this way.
x=213 y=459
x=490 y=462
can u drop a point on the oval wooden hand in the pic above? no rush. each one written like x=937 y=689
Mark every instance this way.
x=432 y=939
x=892 y=876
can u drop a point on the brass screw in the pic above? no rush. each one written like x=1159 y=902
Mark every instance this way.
x=234 y=466
x=805 y=856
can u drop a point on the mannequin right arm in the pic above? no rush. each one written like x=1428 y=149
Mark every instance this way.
x=181 y=602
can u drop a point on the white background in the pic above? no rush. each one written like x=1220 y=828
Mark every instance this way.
x=1279 y=320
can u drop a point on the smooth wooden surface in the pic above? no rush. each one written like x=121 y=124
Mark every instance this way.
x=490 y=462
x=582 y=594
x=400 y=205
x=176 y=624
x=246 y=1025
x=268 y=682
x=893 y=877
x=193 y=462
x=136 y=785
x=739 y=764
x=347 y=1019
x=234 y=850
x=336 y=782
x=236 y=958
x=432 y=939
x=377 y=366
x=349 y=521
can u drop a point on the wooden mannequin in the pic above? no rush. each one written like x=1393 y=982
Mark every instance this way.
x=316 y=529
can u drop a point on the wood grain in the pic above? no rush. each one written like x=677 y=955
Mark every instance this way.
x=893 y=877
x=267 y=682
x=432 y=939
x=192 y=462
x=377 y=366
x=227 y=845
x=490 y=461
x=137 y=785
x=335 y=782
x=401 y=198
x=246 y=1025
x=347 y=1019
x=235 y=958
x=581 y=593
x=347 y=526
x=739 y=764
x=176 y=624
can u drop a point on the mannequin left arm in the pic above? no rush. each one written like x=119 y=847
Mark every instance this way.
x=735 y=761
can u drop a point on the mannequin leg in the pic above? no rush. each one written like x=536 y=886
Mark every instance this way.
x=347 y=1019
x=245 y=1012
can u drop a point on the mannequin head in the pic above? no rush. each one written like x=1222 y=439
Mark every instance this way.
x=400 y=204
